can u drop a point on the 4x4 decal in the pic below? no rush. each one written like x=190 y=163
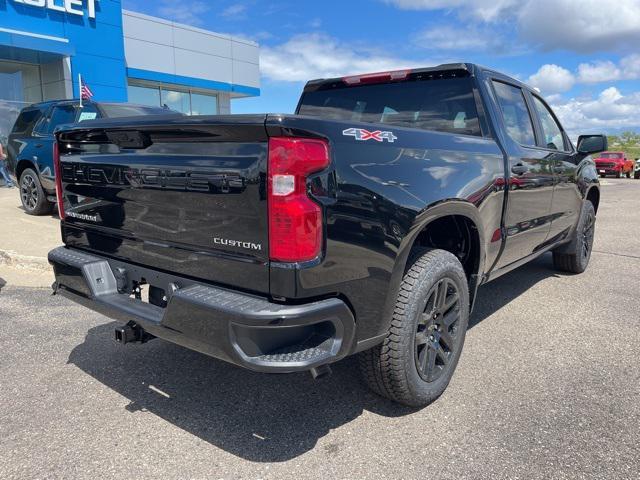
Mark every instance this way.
x=362 y=135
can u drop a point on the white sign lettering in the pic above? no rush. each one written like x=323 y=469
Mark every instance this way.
x=73 y=7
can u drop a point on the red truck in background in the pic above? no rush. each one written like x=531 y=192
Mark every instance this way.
x=614 y=163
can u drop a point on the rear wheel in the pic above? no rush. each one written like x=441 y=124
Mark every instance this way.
x=574 y=257
x=416 y=361
x=618 y=174
x=33 y=198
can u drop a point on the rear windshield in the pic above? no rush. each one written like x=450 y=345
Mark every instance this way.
x=611 y=155
x=443 y=105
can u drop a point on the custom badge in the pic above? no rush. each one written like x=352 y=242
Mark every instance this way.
x=363 y=135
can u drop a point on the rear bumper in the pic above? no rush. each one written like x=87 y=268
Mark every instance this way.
x=243 y=329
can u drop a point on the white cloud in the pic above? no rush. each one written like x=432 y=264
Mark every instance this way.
x=600 y=71
x=577 y=25
x=551 y=79
x=189 y=12
x=631 y=66
x=485 y=10
x=605 y=71
x=235 y=11
x=581 y=25
x=310 y=56
x=555 y=79
x=608 y=111
x=447 y=37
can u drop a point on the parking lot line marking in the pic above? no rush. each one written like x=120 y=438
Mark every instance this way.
x=157 y=390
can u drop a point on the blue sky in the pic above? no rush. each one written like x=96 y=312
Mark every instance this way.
x=584 y=55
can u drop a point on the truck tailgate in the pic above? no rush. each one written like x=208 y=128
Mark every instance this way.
x=186 y=195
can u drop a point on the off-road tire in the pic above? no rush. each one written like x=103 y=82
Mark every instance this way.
x=574 y=257
x=32 y=195
x=391 y=368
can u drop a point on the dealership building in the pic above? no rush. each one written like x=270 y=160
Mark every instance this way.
x=45 y=45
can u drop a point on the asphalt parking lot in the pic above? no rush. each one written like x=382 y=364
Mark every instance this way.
x=548 y=386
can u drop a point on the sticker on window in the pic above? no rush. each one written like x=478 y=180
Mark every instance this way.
x=87 y=116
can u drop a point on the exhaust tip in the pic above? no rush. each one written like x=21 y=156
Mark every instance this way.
x=320 y=372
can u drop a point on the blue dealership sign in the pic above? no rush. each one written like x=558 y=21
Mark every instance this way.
x=89 y=32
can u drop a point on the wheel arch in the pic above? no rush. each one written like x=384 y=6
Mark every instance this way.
x=22 y=165
x=450 y=210
x=593 y=195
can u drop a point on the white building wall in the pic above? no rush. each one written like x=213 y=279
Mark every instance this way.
x=56 y=80
x=159 y=45
x=224 y=103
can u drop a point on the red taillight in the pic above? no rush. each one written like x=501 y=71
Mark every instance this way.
x=380 y=77
x=295 y=221
x=57 y=168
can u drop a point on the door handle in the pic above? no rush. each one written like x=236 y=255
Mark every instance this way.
x=38 y=145
x=519 y=169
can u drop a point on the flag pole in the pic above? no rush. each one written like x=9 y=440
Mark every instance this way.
x=80 y=87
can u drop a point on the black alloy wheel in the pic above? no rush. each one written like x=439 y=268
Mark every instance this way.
x=415 y=362
x=588 y=234
x=574 y=256
x=29 y=191
x=436 y=337
x=32 y=195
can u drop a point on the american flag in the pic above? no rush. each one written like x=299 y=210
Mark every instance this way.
x=85 y=91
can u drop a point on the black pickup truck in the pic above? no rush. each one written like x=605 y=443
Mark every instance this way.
x=364 y=223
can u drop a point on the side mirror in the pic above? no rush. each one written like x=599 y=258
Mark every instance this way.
x=588 y=144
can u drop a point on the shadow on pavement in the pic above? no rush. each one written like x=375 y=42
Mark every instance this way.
x=53 y=214
x=500 y=292
x=258 y=417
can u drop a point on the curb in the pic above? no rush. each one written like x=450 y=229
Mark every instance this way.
x=13 y=259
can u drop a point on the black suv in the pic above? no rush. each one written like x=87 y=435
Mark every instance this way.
x=30 y=144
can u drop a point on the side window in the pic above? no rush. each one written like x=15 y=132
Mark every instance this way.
x=26 y=120
x=59 y=116
x=552 y=132
x=515 y=113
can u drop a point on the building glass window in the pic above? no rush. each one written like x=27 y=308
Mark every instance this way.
x=144 y=95
x=183 y=101
x=20 y=82
x=203 y=104
x=175 y=100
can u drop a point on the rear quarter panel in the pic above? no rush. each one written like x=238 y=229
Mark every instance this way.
x=384 y=194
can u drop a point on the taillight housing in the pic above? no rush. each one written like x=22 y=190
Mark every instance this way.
x=57 y=169
x=295 y=220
